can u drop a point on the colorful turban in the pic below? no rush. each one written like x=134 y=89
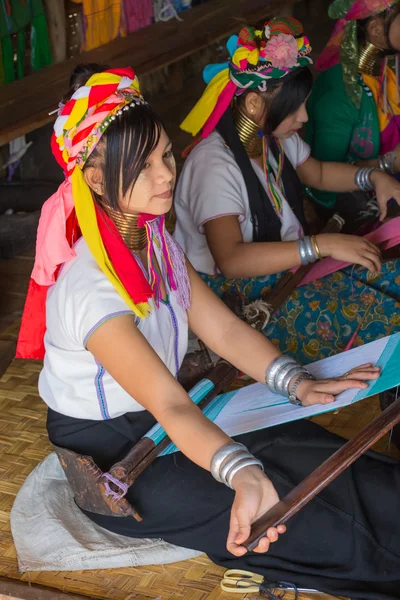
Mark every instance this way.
x=257 y=57
x=72 y=211
x=343 y=44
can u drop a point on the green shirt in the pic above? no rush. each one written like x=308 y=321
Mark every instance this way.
x=337 y=130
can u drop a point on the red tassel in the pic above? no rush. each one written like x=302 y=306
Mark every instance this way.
x=125 y=265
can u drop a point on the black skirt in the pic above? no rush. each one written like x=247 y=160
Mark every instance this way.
x=345 y=542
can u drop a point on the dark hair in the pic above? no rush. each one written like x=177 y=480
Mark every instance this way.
x=388 y=17
x=80 y=75
x=125 y=145
x=284 y=97
x=266 y=223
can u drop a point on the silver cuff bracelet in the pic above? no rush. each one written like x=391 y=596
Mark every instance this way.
x=363 y=179
x=229 y=460
x=273 y=369
x=222 y=454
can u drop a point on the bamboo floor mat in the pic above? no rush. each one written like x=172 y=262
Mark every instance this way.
x=23 y=444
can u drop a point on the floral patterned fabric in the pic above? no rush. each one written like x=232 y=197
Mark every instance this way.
x=320 y=318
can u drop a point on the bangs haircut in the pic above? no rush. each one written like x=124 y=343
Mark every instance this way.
x=123 y=151
x=126 y=144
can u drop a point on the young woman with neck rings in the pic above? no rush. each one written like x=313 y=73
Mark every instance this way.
x=239 y=199
x=116 y=331
x=112 y=311
x=354 y=108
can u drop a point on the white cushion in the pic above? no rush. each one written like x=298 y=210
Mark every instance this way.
x=51 y=533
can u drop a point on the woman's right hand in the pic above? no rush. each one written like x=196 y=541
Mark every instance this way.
x=351 y=249
x=255 y=495
x=323 y=391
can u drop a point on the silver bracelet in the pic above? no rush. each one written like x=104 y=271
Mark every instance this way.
x=302 y=252
x=230 y=462
x=381 y=164
x=306 y=251
x=389 y=160
x=249 y=462
x=221 y=455
x=282 y=376
x=312 y=257
x=284 y=388
x=293 y=399
x=363 y=179
x=386 y=163
x=230 y=459
x=280 y=373
x=274 y=368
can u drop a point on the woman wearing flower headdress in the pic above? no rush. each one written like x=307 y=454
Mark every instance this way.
x=239 y=202
x=355 y=104
x=114 y=297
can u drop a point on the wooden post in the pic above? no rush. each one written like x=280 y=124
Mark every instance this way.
x=57 y=25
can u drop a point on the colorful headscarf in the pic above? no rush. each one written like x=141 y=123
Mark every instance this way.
x=72 y=211
x=257 y=57
x=343 y=44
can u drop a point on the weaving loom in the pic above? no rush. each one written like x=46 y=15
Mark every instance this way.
x=238 y=412
x=24 y=443
x=255 y=407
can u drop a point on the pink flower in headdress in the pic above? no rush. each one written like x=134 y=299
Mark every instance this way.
x=282 y=51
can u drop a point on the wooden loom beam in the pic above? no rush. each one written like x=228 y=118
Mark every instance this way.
x=321 y=477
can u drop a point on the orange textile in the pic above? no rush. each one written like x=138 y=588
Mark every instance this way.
x=102 y=22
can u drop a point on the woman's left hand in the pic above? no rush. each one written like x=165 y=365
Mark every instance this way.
x=323 y=391
x=386 y=188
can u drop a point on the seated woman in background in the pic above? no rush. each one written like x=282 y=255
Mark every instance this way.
x=116 y=331
x=239 y=201
x=355 y=104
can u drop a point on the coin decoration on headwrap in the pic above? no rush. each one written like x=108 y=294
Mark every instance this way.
x=343 y=44
x=72 y=211
x=256 y=57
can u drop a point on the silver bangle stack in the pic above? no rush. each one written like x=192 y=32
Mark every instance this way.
x=363 y=179
x=229 y=460
x=282 y=371
x=386 y=163
x=307 y=252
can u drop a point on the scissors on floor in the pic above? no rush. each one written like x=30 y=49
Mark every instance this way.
x=244 y=582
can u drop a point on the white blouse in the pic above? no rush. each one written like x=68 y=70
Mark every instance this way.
x=211 y=185
x=72 y=382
